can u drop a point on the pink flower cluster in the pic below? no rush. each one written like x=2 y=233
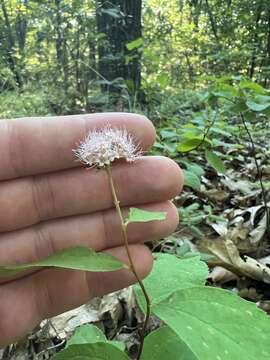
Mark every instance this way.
x=102 y=147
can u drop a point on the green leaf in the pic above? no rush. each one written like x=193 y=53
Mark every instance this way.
x=225 y=91
x=191 y=180
x=196 y=169
x=77 y=258
x=216 y=324
x=170 y=274
x=97 y=351
x=165 y=344
x=112 y=12
x=256 y=106
x=87 y=334
x=170 y=147
x=245 y=84
x=190 y=144
x=90 y=334
x=135 y=44
x=215 y=161
x=168 y=134
x=213 y=323
x=139 y=215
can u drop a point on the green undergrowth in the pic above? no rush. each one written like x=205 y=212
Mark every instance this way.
x=200 y=322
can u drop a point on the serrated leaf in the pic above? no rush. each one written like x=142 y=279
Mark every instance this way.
x=90 y=334
x=165 y=344
x=139 y=215
x=77 y=258
x=191 y=180
x=170 y=274
x=97 y=351
x=215 y=161
x=216 y=324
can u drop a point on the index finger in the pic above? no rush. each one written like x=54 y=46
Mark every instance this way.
x=30 y=146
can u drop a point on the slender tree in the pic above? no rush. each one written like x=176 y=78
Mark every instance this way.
x=119 y=22
x=10 y=45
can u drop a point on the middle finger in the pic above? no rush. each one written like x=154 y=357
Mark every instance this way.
x=28 y=201
x=99 y=231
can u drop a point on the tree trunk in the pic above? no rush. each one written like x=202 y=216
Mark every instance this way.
x=212 y=21
x=266 y=60
x=11 y=45
x=255 y=42
x=120 y=22
x=21 y=28
x=61 y=45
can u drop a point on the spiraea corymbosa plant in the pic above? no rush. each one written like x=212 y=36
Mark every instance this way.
x=100 y=149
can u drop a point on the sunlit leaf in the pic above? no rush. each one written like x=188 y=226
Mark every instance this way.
x=135 y=44
x=139 y=215
x=193 y=143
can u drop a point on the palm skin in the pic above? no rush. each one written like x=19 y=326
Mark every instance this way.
x=50 y=202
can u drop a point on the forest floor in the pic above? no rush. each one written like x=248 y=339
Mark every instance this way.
x=224 y=220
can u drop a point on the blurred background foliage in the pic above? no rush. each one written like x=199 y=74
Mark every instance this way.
x=154 y=56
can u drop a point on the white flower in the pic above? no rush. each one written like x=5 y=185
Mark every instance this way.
x=102 y=147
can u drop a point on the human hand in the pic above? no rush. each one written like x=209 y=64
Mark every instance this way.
x=49 y=202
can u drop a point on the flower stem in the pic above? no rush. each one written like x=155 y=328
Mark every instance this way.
x=132 y=267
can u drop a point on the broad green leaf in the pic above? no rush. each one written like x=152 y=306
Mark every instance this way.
x=245 y=84
x=168 y=134
x=190 y=144
x=77 y=258
x=135 y=44
x=191 y=180
x=90 y=334
x=215 y=161
x=221 y=132
x=97 y=351
x=257 y=106
x=216 y=324
x=165 y=344
x=139 y=215
x=170 y=147
x=87 y=334
x=170 y=274
x=226 y=91
x=196 y=169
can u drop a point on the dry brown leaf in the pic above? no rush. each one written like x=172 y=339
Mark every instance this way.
x=221 y=275
x=227 y=255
